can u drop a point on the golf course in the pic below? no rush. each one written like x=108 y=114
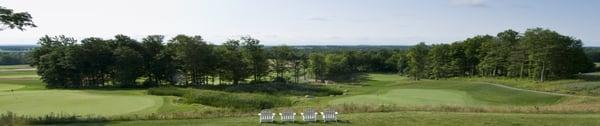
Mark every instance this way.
x=20 y=93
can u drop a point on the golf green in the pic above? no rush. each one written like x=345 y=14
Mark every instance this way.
x=40 y=102
x=413 y=97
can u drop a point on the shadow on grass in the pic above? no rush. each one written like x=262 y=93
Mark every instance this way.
x=353 y=79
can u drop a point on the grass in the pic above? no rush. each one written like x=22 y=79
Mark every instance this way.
x=412 y=97
x=105 y=103
x=241 y=101
x=393 y=89
x=587 y=84
x=395 y=119
x=380 y=99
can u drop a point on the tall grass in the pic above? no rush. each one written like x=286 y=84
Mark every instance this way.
x=550 y=109
x=168 y=91
x=242 y=101
x=12 y=119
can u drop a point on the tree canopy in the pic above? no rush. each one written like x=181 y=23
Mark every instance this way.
x=11 y=20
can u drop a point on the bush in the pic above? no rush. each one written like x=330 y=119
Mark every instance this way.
x=276 y=89
x=167 y=91
x=242 y=101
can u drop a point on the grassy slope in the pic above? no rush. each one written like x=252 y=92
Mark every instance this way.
x=399 y=118
x=393 y=89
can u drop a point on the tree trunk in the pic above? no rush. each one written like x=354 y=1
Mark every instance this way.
x=543 y=71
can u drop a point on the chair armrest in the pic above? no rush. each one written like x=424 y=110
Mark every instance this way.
x=258 y=113
x=322 y=113
x=280 y=113
x=294 y=113
x=336 y=113
x=273 y=114
x=316 y=113
x=301 y=113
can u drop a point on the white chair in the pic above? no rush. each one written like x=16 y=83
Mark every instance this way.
x=287 y=116
x=329 y=115
x=309 y=115
x=266 y=116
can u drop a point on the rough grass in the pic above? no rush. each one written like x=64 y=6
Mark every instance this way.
x=584 y=84
x=243 y=101
x=394 y=119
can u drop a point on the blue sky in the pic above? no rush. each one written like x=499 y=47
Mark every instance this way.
x=306 y=22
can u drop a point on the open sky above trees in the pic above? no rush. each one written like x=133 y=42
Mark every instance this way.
x=305 y=22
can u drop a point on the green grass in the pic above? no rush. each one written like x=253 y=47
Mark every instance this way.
x=8 y=87
x=396 y=119
x=31 y=98
x=104 y=103
x=393 y=89
x=412 y=97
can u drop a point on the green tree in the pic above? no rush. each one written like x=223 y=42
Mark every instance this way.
x=440 y=62
x=53 y=62
x=158 y=65
x=128 y=66
x=417 y=61
x=194 y=58
x=235 y=67
x=19 y=20
x=97 y=58
x=317 y=66
x=257 y=57
x=281 y=56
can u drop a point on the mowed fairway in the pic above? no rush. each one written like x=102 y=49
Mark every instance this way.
x=393 y=89
x=75 y=102
x=28 y=97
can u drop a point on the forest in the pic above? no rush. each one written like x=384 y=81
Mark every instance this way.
x=63 y=62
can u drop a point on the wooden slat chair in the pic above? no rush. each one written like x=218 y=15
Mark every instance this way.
x=329 y=115
x=309 y=115
x=287 y=116
x=266 y=115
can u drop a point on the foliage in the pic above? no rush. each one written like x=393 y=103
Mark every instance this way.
x=276 y=89
x=242 y=101
x=167 y=91
x=538 y=53
x=12 y=20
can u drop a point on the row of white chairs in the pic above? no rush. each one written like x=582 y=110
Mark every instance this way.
x=308 y=115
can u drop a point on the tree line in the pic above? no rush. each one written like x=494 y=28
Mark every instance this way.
x=184 y=60
x=63 y=62
x=539 y=54
x=13 y=58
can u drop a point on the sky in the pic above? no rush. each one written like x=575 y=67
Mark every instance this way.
x=305 y=22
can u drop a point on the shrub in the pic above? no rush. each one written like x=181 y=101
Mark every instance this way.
x=243 y=101
x=167 y=91
x=276 y=89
